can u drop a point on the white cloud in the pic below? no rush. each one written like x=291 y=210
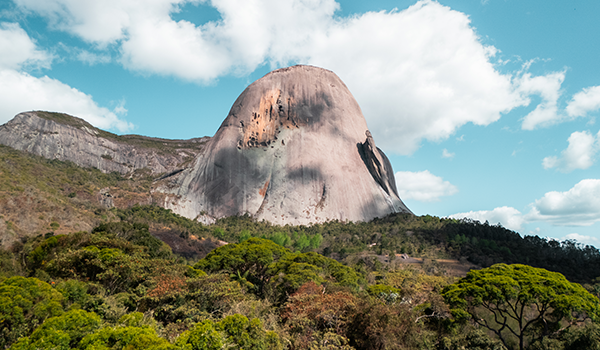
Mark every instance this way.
x=588 y=100
x=20 y=92
x=423 y=186
x=418 y=74
x=92 y=58
x=100 y=22
x=508 y=217
x=579 y=206
x=580 y=153
x=447 y=154
x=17 y=50
x=548 y=87
x=589 y=240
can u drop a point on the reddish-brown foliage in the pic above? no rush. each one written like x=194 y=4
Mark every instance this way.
x=167 y=285
x=312 y=310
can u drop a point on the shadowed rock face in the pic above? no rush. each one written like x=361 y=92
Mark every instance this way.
x=294 y=149
x=64 y=137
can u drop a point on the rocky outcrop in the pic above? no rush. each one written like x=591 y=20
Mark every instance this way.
x=63 y=137
x=294 y=149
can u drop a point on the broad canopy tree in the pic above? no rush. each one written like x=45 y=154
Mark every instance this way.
x=260 y=263
x=519 y=303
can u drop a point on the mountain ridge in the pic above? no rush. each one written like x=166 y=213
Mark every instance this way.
x=64 y=137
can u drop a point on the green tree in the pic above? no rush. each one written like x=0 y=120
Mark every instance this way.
x=60 y=332
x=250 y=258
x=128 y=337
x=204 y=336
x=24 y=304
x=519 y=303
x=233 y=331
x=257 y=263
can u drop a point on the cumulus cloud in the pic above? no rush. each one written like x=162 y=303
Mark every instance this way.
x=420 y=73
x=580 y=153
x=21 y=92
x=579 y=206
x=548 y=87
x=99 y=22
x=17 y=50
x=588 y=100
x=423 y=186
x=508 y=217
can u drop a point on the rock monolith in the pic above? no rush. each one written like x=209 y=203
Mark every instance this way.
x=294 y=149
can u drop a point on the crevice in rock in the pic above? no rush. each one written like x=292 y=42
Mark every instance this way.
x=377 y=164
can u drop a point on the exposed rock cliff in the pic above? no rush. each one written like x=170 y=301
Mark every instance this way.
x=63 y=137
x=294 y=149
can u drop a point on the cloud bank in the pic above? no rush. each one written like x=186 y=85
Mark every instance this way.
x=508 y=217
x=579 y=206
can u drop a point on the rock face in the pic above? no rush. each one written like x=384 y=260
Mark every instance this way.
x=63 y=137
x=294 y=149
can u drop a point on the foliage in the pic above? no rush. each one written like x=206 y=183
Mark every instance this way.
x=192 y=299
x=24 y=304
x=137 y=234
x=257 y=263
x=519 y=301
x=472 y=340
x=251 y=259
x=311 y=312
x=125 y=337
x=235 y=330
x=486 y=244
x=388 y=294
x=377 y=325
x=61 y=332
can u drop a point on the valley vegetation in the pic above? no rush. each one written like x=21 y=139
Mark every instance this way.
x=393 y=283
x=119 y=287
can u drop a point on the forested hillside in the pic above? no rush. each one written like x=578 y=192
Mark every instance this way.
x=82 y=275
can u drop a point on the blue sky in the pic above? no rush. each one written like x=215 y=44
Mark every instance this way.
x=487 y=109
